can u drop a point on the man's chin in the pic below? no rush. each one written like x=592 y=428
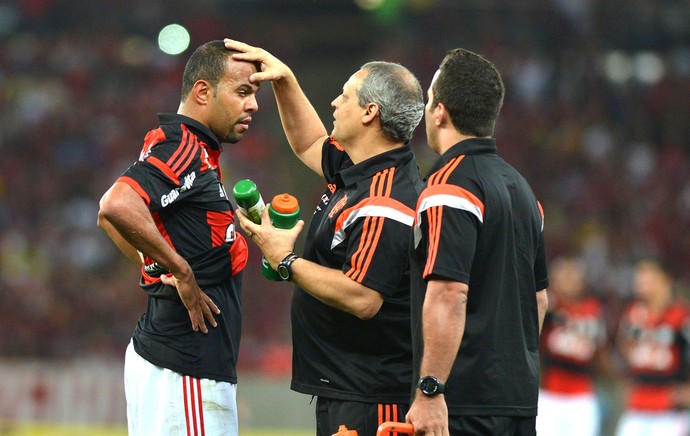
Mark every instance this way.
x=233 y=138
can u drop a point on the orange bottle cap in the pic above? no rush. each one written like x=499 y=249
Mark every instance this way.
x=343 y=431
x=285 y=203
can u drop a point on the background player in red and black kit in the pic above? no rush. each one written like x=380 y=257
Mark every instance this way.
x=573 y=342
x=654 y=339
x=170 y=213
x=478 y=267
x=350 y=310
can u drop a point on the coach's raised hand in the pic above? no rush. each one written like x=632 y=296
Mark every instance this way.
x=272 y=69
x=303 y=128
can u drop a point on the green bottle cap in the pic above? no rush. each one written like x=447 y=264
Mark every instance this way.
x=249 y=199
x=246 y=193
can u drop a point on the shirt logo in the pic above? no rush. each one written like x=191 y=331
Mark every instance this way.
x=230 y=233
x=337 y=207
x=188 y=181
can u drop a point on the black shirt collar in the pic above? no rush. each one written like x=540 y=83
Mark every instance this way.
x=468 y=146
x=367 y=168
x=207 y=135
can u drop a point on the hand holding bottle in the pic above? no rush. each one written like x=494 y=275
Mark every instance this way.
x=275 y=230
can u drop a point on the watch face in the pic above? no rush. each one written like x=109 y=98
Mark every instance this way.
x=283 y=272
x=428 y=385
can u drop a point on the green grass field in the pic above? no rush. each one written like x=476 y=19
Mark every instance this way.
x=22 y=429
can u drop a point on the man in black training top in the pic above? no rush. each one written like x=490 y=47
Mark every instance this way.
x=478 y=267
x=350 y=309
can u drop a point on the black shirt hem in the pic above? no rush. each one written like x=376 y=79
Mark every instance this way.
x=350 y=396
x=184 y=371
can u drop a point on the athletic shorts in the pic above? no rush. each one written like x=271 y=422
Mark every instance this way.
x=666 y=423
x=161 y=402
x=365 y=418
x=492 y=425
x=568 y=415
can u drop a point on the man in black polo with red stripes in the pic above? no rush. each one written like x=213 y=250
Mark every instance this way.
x=350 y=309
x=478 y=267
x=169 y=213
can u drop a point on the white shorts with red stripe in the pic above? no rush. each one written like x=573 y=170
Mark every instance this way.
x=161 y=402
x=637 y=423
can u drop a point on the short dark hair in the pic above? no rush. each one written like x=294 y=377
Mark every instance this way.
x=471 y=89
x=399 y=96
x=208 y=62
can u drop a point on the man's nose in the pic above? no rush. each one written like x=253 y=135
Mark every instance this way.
x=252 y=105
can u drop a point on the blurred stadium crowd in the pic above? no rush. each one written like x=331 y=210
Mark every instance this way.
x=597 y=116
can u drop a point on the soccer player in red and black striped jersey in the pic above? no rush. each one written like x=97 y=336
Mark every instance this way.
x=169 y=213
x=350 y=309
x=654 y=340
x=478 y=267
x=572 y=348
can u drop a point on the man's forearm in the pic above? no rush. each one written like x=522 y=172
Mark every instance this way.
x=128 y=216
x=443 y=319
x=333 y=288
x=125 y=247
x=303 y=128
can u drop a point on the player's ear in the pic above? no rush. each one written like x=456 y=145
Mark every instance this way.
x=440 y=115
x=201 y=92
x=371 y=111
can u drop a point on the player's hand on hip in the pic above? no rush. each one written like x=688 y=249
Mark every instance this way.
x=272 y=68
x=199 y=305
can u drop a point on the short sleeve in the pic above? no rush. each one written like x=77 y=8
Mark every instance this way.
x=540 y=269
x=451 y=238
x=449 y=217
x=379 y=231
x=154 y=180
x=541 y=277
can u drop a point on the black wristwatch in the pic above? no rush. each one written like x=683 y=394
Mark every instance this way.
x=285 y=267
x=430 y=386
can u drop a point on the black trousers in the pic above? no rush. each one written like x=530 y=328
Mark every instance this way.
x=492 y=426
x=365 y=418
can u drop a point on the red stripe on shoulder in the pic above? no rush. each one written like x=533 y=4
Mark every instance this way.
x=181 y=147
x=441 y=176
x=187 y=150
x=389 y=181
x=380 y=190
x=153 y=160
x=152 y=138
x=194 y=150
x=435 y=218
x=371 y=231
x=136 y=186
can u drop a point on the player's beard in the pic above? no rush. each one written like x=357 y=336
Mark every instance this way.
x=232 y=137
